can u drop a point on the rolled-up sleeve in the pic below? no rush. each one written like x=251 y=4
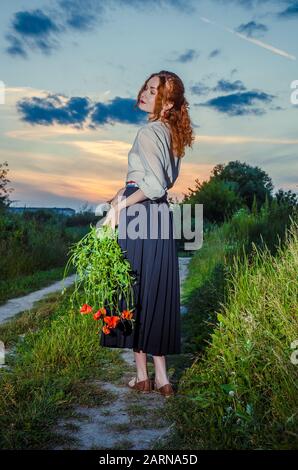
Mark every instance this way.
x=153 y=184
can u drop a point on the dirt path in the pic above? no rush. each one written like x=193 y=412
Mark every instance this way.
x=20 y=304
x=130 y=420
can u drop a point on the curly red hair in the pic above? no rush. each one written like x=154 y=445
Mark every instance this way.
x=171 y=90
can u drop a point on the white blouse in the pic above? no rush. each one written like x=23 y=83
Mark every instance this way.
x=151 y=164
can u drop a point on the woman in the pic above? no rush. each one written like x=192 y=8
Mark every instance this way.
x=153 y=166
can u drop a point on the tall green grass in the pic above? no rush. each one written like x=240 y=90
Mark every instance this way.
x=49 y=369
x=203 y=291
x=33 y=250
x=23 y=285
x=243 y=392
x=205 y=288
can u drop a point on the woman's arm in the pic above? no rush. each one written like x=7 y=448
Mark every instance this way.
x=137 y=196
x=154 y=182
x=153 y=185
x=113 y=214
x=118 y=204
x=113 y=201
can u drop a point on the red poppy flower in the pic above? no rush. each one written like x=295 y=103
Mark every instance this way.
x=101 y=312
x=85 y=309
x=112 y=321
x=126 y=314
x=106 y=330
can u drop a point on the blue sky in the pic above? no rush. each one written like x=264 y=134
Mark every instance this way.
x=71 y=76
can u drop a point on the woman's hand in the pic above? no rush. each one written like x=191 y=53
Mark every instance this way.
x=112 y=217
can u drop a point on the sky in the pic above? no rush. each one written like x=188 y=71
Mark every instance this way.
x=69 y=78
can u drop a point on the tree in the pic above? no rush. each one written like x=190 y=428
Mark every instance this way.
x=219 y=199
x=4 y=191
x=286 y=197
x=248 y=181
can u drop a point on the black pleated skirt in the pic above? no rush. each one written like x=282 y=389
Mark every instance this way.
x=154 y=262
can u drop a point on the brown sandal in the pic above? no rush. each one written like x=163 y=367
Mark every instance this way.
x=144 y=386
x=166 y=390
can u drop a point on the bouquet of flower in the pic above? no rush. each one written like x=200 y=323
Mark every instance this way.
x=111 y=321
x=103 y=279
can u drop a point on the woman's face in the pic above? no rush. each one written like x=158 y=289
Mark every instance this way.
x=148 y=95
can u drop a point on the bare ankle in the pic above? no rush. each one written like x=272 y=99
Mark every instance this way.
x=161 y=381
x=141 y=377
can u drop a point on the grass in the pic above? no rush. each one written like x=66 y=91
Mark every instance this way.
x=51 y=371
x=203 y=291
x=206 y=287
x=23 y=285
x=242 y=392
x=33 y=251
x=237 y=388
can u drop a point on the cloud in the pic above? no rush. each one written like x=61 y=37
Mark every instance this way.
x=78 y=18
x=199 y=89
x=188 y=173
x=252 y=29
x=180 y=5
x=41 y=30
x=264 y=45
x=111 y=152
x=33 y=29
x=281 y=160
x=226 y=86
x=119 y=109
x=54 y=109
x=239 y=104
x=187 y=56
x=35 y=23
x=214 y=53
x=92 y=177
x=247 y=4
x=70 y=184
x=48 y=134
x=257 y=42
x=291 y=12
x=78 y=111
x=243 y=139
x=16 y=47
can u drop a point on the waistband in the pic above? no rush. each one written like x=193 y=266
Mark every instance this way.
x=132 y=184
